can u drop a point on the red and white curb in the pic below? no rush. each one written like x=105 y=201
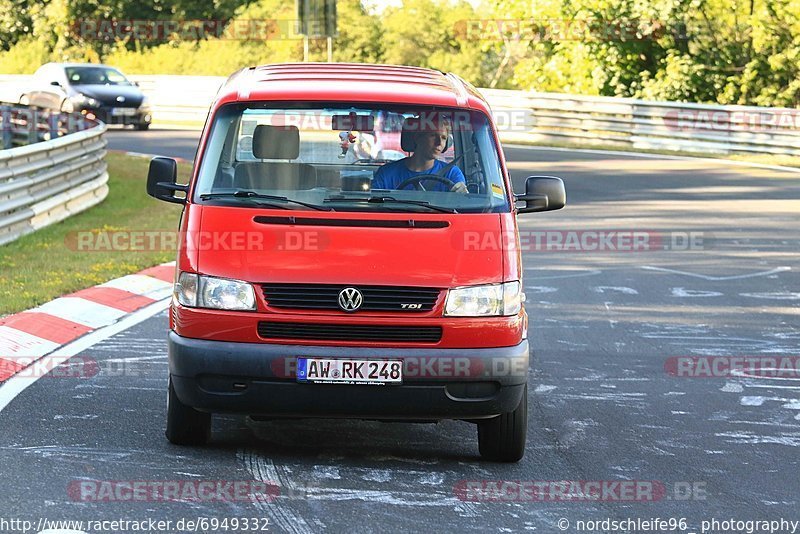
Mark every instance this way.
x=28 y=336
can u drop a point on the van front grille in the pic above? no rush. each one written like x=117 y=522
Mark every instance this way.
x=326 y=297
x=349 y=332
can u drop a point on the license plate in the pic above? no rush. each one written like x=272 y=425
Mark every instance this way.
x=123 y=112
x=344 y=371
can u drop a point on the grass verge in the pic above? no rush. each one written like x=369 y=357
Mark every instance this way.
x=44 y=265
x=763 y=159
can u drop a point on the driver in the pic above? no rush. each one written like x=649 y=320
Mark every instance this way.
x=426 y=145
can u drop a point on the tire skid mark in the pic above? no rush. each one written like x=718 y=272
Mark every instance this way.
x=279 y=512
x=412 y=488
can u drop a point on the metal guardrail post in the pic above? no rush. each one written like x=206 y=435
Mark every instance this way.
x=31 y=123
x=53 y=121
x=5 y=123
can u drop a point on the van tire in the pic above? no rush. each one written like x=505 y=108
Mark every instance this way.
x=502 y=438
x=185 y=425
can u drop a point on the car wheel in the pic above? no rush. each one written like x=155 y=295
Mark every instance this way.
x=502 y=438
x=143 y=126
x=185 y=425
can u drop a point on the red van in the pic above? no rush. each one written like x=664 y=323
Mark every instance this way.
x=320 y=275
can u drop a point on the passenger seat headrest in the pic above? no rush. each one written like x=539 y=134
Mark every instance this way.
x=276 y=142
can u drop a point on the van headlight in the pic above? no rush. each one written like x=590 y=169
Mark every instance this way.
x=483 y=301
x=198 y=291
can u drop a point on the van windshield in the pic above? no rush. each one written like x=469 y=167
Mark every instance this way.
x=387 y=158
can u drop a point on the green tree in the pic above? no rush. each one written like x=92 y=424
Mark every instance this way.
x=359 y=36
x=428 y=33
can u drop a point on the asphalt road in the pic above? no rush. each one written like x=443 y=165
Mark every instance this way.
x=604 y=324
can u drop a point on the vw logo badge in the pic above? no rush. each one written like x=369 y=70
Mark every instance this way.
x=350 y=299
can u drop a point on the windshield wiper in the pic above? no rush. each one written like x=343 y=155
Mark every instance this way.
x=258 y=196
x=391 y=200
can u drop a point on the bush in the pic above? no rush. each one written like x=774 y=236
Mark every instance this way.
x=24 y=57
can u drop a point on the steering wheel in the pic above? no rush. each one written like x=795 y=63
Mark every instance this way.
x=417 y=181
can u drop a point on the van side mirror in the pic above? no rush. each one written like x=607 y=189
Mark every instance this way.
x=162 y=180
x=542 y=193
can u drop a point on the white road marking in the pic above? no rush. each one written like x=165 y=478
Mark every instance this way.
x=718 y=278
x=681 y=292
x=611 y=323
x=772 y=386
x=792 y=440
x=16 y=385
x=81 y=311
x=732 y=387
x=625 y=290
x=138 y=358
x=783 y=295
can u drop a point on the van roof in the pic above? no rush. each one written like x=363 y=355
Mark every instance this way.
x=350 y=82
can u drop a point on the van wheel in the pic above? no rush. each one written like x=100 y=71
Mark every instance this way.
x=502 y=438
x=185 y=425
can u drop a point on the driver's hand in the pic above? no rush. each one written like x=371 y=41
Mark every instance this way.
x=459 y=187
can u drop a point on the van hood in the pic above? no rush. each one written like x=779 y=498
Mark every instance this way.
x=407 y=249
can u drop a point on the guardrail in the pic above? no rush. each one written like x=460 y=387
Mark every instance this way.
x=47 y=181
x=631 y=123
x=555 y=118
x=559 y=118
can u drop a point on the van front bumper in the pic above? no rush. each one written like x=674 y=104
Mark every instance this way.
x=258 y=379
